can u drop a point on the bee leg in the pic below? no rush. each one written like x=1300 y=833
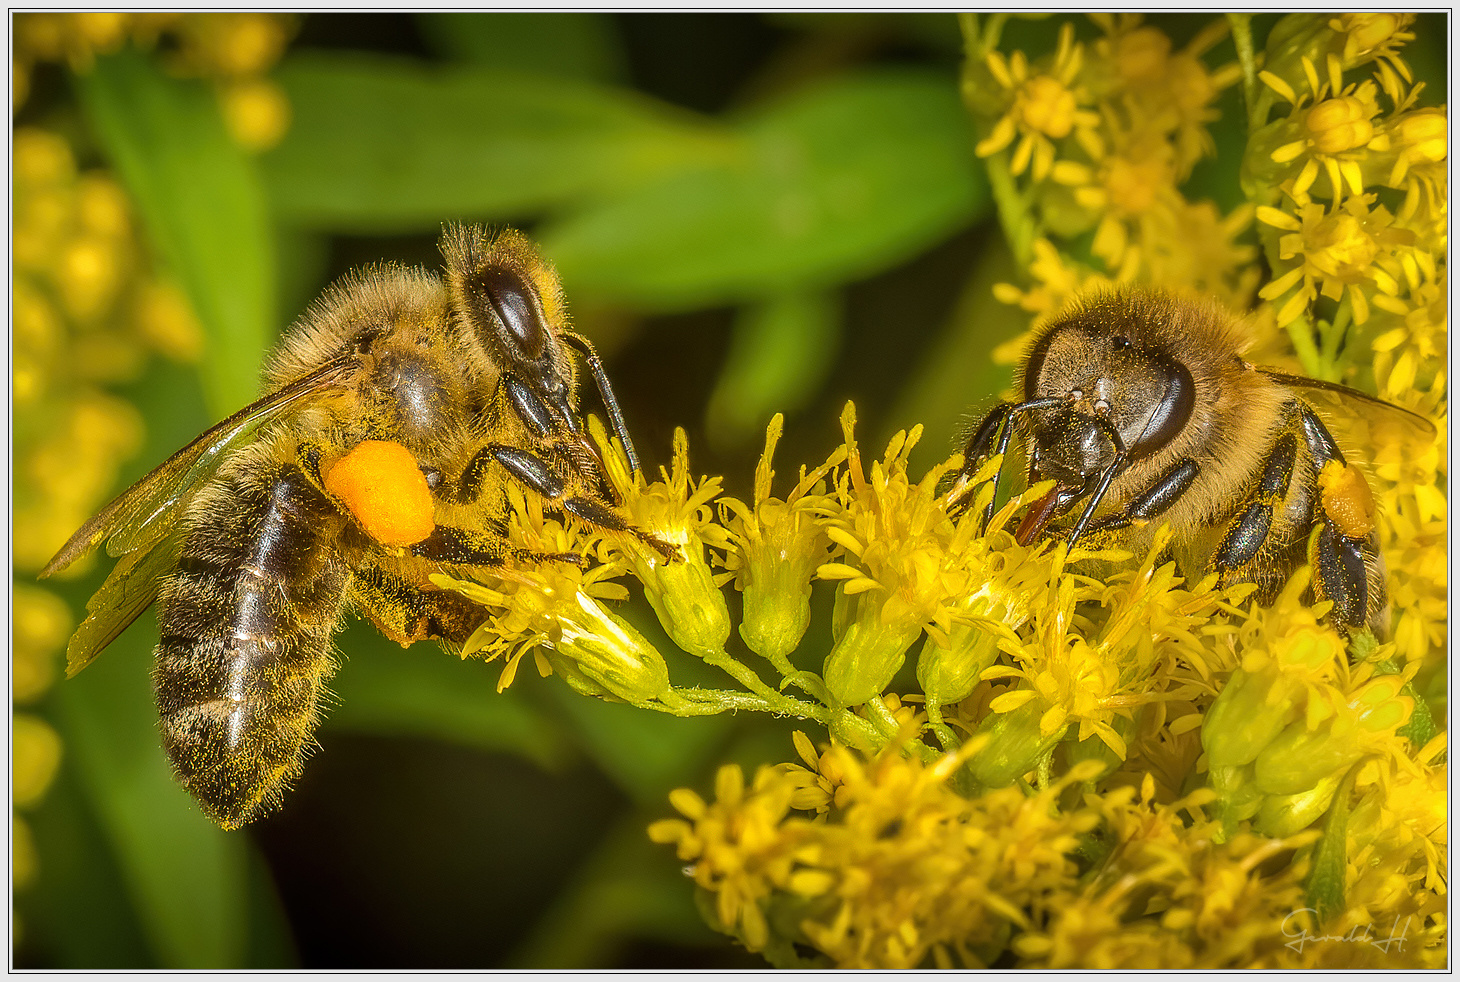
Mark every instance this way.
x=406 y=614
x=1344 y=551
x=977 y=448
x=1249 y=530
x=1154 y=501
x=974 y=451
x=534 y=472
x=458 y=547
x=605 y=390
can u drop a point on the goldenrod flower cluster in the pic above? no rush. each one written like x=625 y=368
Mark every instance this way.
x=1098 y=139
x=1092 y=763
x=235 y=50
x=88 y=310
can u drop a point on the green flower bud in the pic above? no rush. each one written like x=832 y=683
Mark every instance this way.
x=600 y=654
x=868 y=654
x=689 y=604
x=1300 y=758
x=1015 y=745
x=948 y=675
x=777 y=598
x=1239 y=799
x=1283 y=815
x=1245 y=718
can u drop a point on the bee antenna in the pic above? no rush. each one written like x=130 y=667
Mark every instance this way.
x=610 y=402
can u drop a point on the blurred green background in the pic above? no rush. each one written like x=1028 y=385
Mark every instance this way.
x=751 y=213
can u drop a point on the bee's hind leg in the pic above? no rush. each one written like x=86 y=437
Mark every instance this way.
x=1343 y=550
x=458 y=547
x=406 y=614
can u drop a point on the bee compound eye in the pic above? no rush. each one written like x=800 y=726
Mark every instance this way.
x=499 y=295
x=1170 y=411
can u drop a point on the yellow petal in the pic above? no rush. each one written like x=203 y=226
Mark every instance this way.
x=1289 y=151
x=1277 y=218
x=1279 y=86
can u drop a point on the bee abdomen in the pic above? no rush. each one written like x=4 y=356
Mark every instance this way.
x=246 y=622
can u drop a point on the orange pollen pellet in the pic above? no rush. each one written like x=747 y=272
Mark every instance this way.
x=1347 y=500
x=384 y=489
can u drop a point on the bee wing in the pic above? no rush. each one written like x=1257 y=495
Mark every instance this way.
x=143 y=512
x=129 y=590
x=1387 y=422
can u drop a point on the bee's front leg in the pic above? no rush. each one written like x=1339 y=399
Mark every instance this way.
x=534 y=472
x=1152 y=502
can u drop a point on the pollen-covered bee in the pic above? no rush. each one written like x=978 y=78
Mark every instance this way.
x=396 y=409
x=1139 y=406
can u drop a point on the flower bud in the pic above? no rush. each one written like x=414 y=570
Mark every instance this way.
x=948 y=675
x=1339 y=124
x=777 y=604
x=869 y=653
x=600 y=654
x=1015 y=745
x=1283 y=815
x=1250 y=712
x=690 y=606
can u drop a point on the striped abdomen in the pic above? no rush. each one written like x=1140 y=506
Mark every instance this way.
x=245 y=624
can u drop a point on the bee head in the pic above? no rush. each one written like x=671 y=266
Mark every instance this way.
x=1124 y=394
x=508 y=296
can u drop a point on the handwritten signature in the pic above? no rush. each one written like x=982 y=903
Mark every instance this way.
x=1358 y=934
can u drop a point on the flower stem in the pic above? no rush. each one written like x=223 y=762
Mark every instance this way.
x=1241 y=25
x=776 y=702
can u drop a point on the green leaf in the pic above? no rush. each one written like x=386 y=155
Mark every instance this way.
x=579 y=45
x=386 y=144
x=831 y=184
x=425 y=691
x=645 y=753
x=186 y=877
x=630 y=887
x=781 y=351
x=1326 y=883
x=202 y=204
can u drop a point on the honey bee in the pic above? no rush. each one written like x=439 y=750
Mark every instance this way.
x=1140 y=406
x=397 y=408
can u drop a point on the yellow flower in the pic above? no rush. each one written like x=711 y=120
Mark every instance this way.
x=1158 y=95
x=775 y=546
x=676 y=512
x=256 y=112
x=1335 y=134
x=545 y=600
x=1058 y=280
x=909 y=568
x=1373 y=37
x=1343 y=253
x=40 y=624
x=738 y=846
x=1041 y=108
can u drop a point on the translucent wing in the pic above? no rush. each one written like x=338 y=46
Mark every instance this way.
x=145 y=511
x=129 y=590
x=1385 y=422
